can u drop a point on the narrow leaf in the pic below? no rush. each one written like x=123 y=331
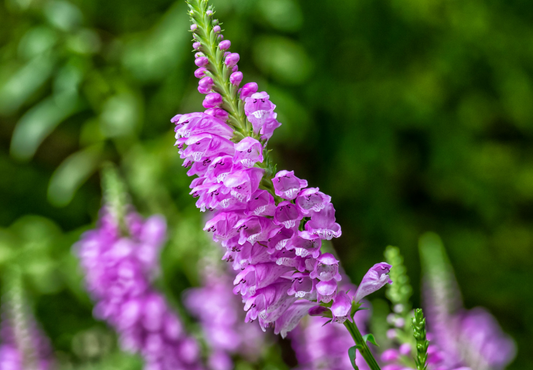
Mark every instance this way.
x=351 y=353
x=370 y=338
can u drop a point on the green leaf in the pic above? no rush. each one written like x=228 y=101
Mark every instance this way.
x=370 y=338
x=71 y=174
x=351 y=353
x=38 y=122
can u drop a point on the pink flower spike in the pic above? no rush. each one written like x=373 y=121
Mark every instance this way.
x=248 y=89
x=286 y=185
x=236 y=78
x=232 y=59
x=302 y=286
x=200 y=72
x=201 y=62
x=390 y=355
x=373 y=280
x=212 y=100
x=248 y=152
x=326 y=268
x=224 y=45
x=341 y=308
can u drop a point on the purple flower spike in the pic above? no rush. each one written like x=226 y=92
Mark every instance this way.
x=390 y=355
x=196 y=45
x=287 y=214
x=322 y=225
x=373 y=280
x=326 y=268
x=216 y=29
x=212 y=100
x=200 y=72
x=341 y=308
x=312 y=200
x=248 y=152
x=286 y=185
x=280 y=239
x=224 y=45
x=326 y=290
x=248 y=89
x=201 y=62
x=232 y=59
x=236 y=78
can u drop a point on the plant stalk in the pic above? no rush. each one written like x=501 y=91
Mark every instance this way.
x=361 y=345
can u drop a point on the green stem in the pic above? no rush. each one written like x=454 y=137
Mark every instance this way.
x=361 y=345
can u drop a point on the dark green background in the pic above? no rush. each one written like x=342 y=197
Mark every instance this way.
x=413 y=115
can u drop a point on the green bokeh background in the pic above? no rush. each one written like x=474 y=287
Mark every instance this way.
x=413 y=115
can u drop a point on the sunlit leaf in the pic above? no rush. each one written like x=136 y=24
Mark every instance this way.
x=71 y=174
x=25 y=82
x=282 y=58
x=36 y=124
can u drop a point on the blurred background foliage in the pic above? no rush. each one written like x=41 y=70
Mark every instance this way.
x=413 y=115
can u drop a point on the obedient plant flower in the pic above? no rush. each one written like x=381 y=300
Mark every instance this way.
x=269 y=222
x=374 y=279
x=218 y=310
x=22 y=343
x=470 y=338
x=119 y=259
x=318 y=346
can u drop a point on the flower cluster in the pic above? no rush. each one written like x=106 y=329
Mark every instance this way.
x=318 y=346
x=219 y=313
x=118 y=271
x=272 y=227
x=22 y=345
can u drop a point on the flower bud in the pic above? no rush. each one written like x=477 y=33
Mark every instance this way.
x=232 y=60
x=204 y=90
x=216 y=29
x=217 y=113
x=221 y=37
x=201 y=62
x=194 y=27
x=206 y=82
x=235 y=68
x=212 y=100
x=199 y=54
x=209 y=13
x=248 y=89
x=200 y=72
x=224 y=45
x=236 y=78
x=196 y=45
